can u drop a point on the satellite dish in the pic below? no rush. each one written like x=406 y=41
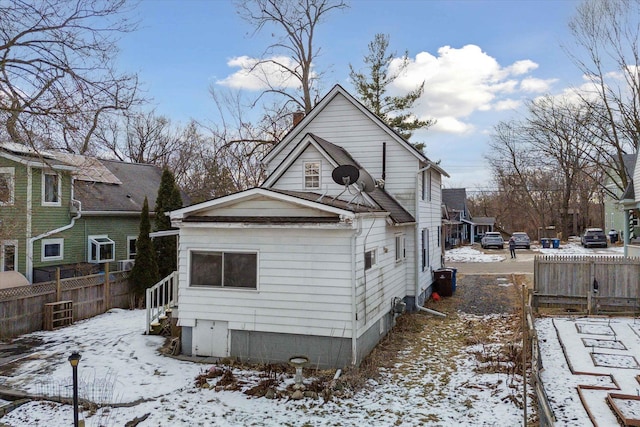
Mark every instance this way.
x=365 y=182
x=345 y=175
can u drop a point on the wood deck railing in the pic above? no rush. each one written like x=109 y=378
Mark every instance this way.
x=161 y=297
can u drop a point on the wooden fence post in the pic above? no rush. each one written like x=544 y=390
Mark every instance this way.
x=58 y=285
x=107 y=288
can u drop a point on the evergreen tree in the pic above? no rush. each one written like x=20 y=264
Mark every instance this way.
x=168 y=199
x=395 y=111
x=144 y=273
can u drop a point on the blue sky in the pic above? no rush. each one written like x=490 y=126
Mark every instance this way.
x=479 y=60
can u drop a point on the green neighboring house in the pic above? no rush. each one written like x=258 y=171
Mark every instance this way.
x=69 y=211
x=614 y=214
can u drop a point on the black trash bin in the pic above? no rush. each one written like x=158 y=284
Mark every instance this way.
x=613 y=236
x=444 y=281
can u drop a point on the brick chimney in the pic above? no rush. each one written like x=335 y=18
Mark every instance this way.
x=297 y=117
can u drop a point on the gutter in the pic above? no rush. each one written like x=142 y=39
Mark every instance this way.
x=31 y=240
x=417 y=249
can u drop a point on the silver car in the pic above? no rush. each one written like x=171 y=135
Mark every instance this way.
x=522 y=239
x=492 y=239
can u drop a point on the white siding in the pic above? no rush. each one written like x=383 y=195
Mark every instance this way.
x=636 y=179
x=343 y=124
x=304 y=281
x=264 y=206
x=377 y=286
x=430 y=217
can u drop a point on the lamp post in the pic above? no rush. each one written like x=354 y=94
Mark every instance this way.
x=74 y=359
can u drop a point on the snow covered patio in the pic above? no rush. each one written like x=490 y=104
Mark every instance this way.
x=590 y=369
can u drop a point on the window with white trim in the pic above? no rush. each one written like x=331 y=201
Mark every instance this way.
x=224 y=269
x=7 y=177
x=370 y=259
x=51 y=189
x=8 y=255
x=401 y=252
x=425 y=249
x=426 y=185
x=52 y=250
x=439 y=234
x=101 y=249
x=311 y=175
x=131 y=247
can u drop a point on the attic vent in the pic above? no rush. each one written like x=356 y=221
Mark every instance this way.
x=128 y=196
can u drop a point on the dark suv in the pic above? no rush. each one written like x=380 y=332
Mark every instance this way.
x=594 y=237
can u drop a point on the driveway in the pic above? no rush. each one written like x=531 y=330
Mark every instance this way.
x=523 y=264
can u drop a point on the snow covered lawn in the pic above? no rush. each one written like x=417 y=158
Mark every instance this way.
x=447 y=373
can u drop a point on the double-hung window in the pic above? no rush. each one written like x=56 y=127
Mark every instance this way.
x=52 y=249
x=224 y=269
x=101 y=249
x=311 y=175
x=425 y=249
x=51 y=189
x=7 y=176
x=131 y=247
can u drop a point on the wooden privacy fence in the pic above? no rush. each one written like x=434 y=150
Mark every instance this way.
x=593 y=284
x=22 y=308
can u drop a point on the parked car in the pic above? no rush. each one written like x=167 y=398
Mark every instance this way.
x=492 y=238
x=522 y=239
x=594 y=237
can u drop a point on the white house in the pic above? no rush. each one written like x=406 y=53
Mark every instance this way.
x=307 y=264
x=630 y=203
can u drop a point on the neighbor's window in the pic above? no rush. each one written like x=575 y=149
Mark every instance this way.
x=6 y=186
x=8 y=255
x=52 y=249
x=131 y=247
x=400 y=248
x=425 y=248
x=311 y=174
x=51 y=189
x=224 y=269
x=369 y=259
x=101 y=249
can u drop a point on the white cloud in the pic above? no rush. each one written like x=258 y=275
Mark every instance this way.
x=254 y=74
x=462 y=81
x=534 y=85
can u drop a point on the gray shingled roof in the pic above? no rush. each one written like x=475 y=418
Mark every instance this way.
x=138 y=180
x=455 y=198
x=384 y=200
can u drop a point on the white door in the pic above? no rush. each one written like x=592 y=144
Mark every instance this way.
x=211 y=338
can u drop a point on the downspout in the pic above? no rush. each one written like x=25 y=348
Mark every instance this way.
x=417 y=247
x=49 y=233
x=354 y=306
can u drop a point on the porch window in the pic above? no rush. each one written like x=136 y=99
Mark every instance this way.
x=369 y=259
x=400 y=248
x=101 y=249
x=311 y=174
x=8 y=255
x=52 y=249
x=51 y=189
x=6 y=186
x=224 y=269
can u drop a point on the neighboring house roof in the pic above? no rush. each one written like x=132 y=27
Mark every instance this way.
x=483 y=220
x=137 y=180
x=336 y=90
x=340 y=156
x=26 y=155
x=455 y=199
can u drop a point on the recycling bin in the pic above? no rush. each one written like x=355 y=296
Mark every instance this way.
x=546 y=243
x=555 y=243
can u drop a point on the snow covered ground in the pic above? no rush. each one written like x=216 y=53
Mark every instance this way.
x=121 y=365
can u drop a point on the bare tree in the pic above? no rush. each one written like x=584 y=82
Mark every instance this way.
x=294 y=24
x=606 y=35
x=545 y=166
x=57 y=73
